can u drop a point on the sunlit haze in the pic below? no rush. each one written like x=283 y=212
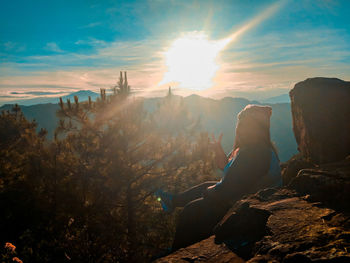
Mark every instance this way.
x=191 y=61
x=252 y=49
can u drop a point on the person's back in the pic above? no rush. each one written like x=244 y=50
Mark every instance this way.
x=247 y=174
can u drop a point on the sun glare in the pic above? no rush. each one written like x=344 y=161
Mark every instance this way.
x=191 y=61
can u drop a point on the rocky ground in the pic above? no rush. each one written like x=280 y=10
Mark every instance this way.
x=204 y=251
x=274 y=225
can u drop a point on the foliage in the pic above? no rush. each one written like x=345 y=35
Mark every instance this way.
x=87 y=196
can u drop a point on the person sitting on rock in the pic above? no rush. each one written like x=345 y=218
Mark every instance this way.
x=253 y=164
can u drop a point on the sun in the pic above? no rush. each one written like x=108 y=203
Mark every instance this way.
x=191 y=61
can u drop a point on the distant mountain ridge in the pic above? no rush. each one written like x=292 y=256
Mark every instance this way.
x=284 y=98
x=216 y=116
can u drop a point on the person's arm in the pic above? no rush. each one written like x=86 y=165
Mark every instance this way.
x=220 y=157
x=242 y=176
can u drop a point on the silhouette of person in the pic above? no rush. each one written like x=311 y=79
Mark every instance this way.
x=253 y=164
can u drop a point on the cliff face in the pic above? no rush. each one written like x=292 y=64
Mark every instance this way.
x=308 y=219
x=321 y=110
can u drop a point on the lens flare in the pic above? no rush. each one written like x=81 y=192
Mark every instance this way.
x=191 y=60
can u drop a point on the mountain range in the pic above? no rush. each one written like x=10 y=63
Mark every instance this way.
x=284 y=98
x=83 y=95
x=216 y=116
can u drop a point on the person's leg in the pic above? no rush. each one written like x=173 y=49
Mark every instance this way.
x=195 y=192
x=196 y=222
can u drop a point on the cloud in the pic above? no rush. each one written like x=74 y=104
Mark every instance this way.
x=99 y=69
x=91 y=42
x=267 y=67
x=52 y=46
x=13 y=46
x=8 y=96
x=12 y=97
x=91 y=25
x=37 y=93
x=326 y=5
x=124 y=54
x=278 y=60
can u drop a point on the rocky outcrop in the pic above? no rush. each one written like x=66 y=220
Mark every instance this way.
x=321 y=110
x=204 y=251
x=239 y=231
x=329 y=184
x=291 y=168
x=307 y=220
x=300 y=231
x=274 y=225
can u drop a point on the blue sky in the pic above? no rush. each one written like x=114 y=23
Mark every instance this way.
x=63 y=46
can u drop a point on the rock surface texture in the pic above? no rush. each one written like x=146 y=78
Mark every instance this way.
x=204 y=251
x=309 y=219
x=329 y=184
x=321 y=110
x=274 y=225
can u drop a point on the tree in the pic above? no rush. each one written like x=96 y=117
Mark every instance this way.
x=122 y=87
x=132 y=157
x=91 y=188
x=25 y=193
x=170 y=93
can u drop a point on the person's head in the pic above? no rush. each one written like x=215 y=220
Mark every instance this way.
x=253 y=127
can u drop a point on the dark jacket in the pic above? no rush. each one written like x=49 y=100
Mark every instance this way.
x=249 y=172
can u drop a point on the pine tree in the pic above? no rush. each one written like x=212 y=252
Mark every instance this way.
x=88 y=194
x=133 y=156
x=169 y=92
x=122 y=87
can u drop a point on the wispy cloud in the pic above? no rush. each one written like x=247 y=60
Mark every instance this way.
x=52 y=46
x=277 y=61
x=91 y=25
x=69 y=71
x=37 y=93
x=8 y=97
x=13 y=46
x=91 y=42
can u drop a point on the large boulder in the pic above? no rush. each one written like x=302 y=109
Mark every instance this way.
x=328 y=183
x=321 y=118
x=291 y=168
